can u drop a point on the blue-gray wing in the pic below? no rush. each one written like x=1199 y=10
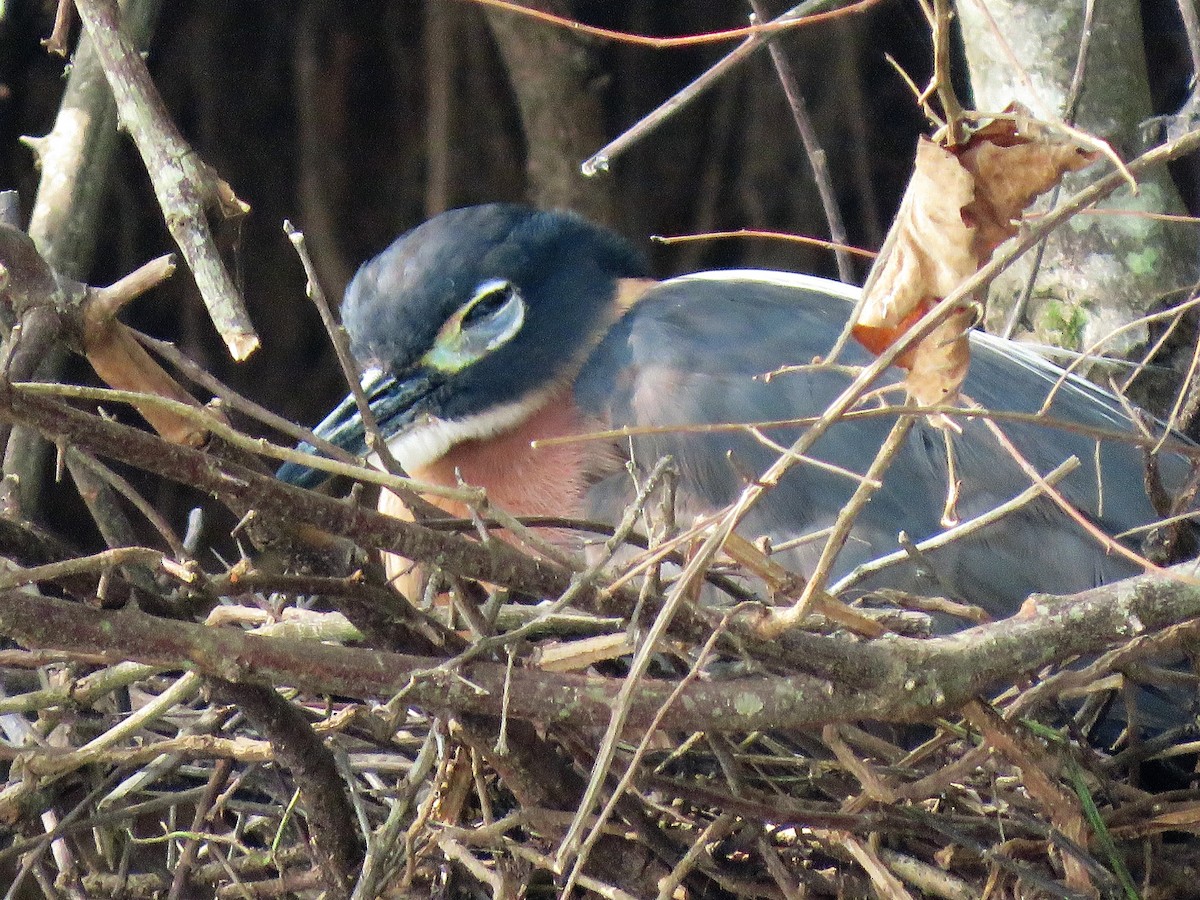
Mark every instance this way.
x=695 y=351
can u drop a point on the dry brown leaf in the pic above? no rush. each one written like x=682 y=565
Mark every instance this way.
x=960 y=205
x=1010 y=168
x=939 y=363
x=930 y=249
x=125 y=365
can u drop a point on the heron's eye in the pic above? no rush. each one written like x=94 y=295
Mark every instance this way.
x=491 y=300
x=489 y=320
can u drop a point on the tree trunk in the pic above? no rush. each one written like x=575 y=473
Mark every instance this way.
x=1103 y=270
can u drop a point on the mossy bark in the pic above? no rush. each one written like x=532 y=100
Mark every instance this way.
x=1102 y=270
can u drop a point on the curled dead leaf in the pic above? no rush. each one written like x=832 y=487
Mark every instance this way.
x=938 y=364
x=1011 y=167
x=930 y=248
x=960 y=205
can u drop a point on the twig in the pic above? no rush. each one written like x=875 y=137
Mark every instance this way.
x=123 y=487
x=489 y=514
x=97 y=564
x=75 y=156
x=581 y=582
x=1110 y=544
x=85 y=691
x=1093 y=350
x=1016 y=315
x=790 y=886
x=182 y=183
x=1137 y=648
x=1060 y=806
x=1184 y=407
x=755 y=37
x=631 y=768
x=884 y=882
x=122 y=362
x=873 y=787
x=341 y=345
x=192 y=845
x=607 y=891
x=760 y=31
x=999 y=415
x=669 y=239
x=382 y=858
x=52 y=767
x=231 y=398
x=715 y=831
x=812 y=148
x=631 y=683
x=190 y=412
x=104 y=303
x=58 y=42
x=942 y=81
x=34 y=848
x=845 y=521
x=818 y=464
x=959 y=531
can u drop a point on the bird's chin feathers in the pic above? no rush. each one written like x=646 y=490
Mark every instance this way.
x=430 y=438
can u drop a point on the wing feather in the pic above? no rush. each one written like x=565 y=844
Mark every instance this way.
x=695 y=351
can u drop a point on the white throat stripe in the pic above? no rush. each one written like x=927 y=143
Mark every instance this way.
x=430 y=439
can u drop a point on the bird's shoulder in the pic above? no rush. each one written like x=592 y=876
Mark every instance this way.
x=689 y=333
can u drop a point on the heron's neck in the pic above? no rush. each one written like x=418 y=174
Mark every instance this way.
x=548 y=481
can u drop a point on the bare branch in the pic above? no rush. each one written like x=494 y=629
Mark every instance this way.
x=183 y=184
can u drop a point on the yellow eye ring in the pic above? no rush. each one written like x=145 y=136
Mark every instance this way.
x=489 y=320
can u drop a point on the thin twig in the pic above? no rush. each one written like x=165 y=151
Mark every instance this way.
x=755 y=37
x=59 y=41
x=758 y=31
x=123 y=487
x=94 y=564
x=632 y=766
x=812 y=148
x=846 y=519
x=715 y=831
x=1093 y=350
x=961 y=530
x=632 y=682
x=1016 y=315
x=668 y=239
x=1109 y=544
x=206 y=417
x=104 y=303
x=341 y=344
x=242 y=404
x=1130 y=438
